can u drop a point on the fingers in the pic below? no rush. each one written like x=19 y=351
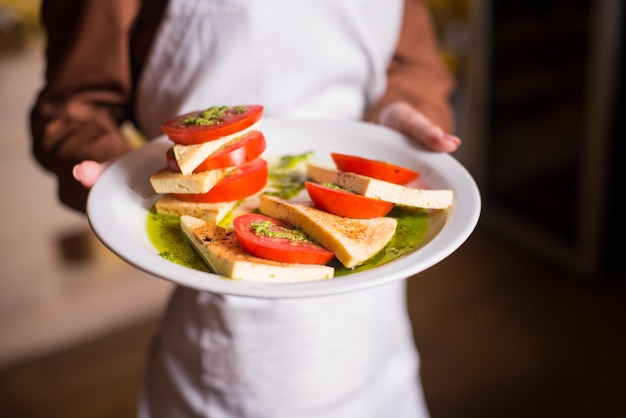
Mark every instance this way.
x=440 y=141
x=87 y=172
x=406 y=119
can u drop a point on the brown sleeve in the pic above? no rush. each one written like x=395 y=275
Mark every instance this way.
x=87 y=90
x=416 y=74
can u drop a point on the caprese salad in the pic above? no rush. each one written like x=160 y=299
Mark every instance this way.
x=216 y=161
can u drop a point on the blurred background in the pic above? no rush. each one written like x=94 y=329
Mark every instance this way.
x=527 y=318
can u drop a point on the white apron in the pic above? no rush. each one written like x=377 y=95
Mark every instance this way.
x=343 y=356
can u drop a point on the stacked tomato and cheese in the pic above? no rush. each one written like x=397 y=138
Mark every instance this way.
x=215 y=162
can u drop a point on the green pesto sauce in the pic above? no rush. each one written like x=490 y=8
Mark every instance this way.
x=268 y=229
x=285 y=184
x=286 y=177
x=171 y=243
x=286 y=180
x=212 y=116
x=336 y=187
x=292 y=161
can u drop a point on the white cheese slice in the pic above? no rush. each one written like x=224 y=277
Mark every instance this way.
x=166 y=181
x=211 y=212
x=191 y=156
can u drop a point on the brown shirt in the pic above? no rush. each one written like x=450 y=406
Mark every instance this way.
x=95 y=53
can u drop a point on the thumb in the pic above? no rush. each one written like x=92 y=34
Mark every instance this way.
x=88 y=172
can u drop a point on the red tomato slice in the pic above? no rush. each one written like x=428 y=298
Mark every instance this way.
x=267 y=238
x=243 y=181
x=239 y=151
x=191 y=128
x=376 y=169
x=346 y=204
x=170 y=158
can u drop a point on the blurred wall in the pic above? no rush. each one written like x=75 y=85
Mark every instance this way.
x=540 y=94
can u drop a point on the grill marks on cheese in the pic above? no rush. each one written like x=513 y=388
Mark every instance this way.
x=224 y=255
x=353 y=241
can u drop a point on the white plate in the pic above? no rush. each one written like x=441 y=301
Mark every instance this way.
x=119 y=203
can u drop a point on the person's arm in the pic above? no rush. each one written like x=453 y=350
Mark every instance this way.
x=419 y=85
x=87 y=90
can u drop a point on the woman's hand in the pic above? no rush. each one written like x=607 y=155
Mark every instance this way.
x=411 y=122
x=87 y=172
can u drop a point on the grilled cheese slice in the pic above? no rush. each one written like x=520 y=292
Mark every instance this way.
x=167 y=181
x=353 y=241
x=383 y=190
x=211 y=212
x=221 y=251
x=189 y=157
